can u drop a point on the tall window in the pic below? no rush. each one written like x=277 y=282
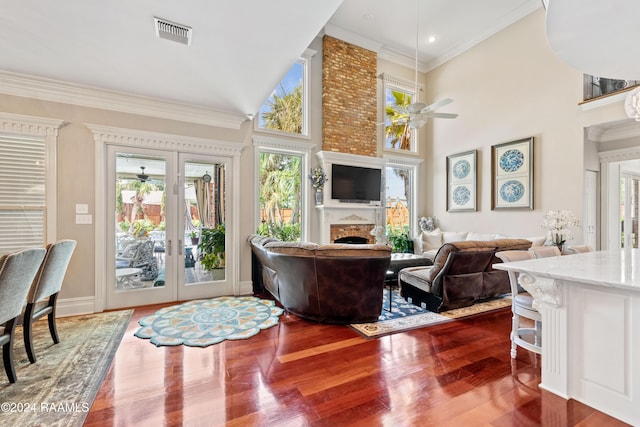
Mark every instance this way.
x=282 y=188
x=286 y=110
x=398 y=95
x=27 y=184
x=280 y=195
x=401 y=196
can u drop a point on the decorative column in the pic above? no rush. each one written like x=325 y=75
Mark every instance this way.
x=548 y=295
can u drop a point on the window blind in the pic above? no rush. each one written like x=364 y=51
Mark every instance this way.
x=22 y=192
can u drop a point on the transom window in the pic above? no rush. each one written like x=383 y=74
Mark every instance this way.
x=398 y=94
x=286 y=110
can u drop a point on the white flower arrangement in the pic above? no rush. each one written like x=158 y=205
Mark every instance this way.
x=559 y=223
x=428 y=223
x=318 y=178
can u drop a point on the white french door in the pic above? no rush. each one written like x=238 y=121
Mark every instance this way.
x=159 y=204
x=629 y=186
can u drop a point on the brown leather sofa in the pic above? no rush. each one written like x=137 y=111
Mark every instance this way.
x=334 y=283
x=462 y=273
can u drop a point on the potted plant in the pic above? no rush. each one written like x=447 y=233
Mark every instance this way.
x=194 y=237
x=212 y=247
x=401 y=242
x=318 y=179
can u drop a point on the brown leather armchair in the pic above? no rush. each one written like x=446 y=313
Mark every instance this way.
x=462 y=273
x=334 y=283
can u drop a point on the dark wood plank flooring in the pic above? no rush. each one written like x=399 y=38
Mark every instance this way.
x=307 y=374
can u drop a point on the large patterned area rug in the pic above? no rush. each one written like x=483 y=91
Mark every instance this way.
x=60 y=387
x=201 y=323
x=405 y=316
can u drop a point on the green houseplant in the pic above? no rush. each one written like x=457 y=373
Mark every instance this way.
x=194 y=237
x=401 y=242
x=212 y=247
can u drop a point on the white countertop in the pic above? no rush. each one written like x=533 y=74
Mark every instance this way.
x=612 y=268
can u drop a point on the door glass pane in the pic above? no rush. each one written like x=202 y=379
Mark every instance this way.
x=140 y=221
x=280 y=197
x=204 y=222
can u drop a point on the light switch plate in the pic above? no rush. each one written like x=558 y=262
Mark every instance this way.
x=82 y=208
x=84 y=219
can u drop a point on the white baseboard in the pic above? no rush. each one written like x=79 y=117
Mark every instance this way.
x=86 y=305
x=246 y=288
x=75 y=306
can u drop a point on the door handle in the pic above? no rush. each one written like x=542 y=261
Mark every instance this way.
x=169 y=247
x=180 y=247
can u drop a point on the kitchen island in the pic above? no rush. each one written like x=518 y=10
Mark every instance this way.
x=590 y=307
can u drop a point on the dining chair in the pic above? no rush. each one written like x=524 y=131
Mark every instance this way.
x=545 y=251
x=522 y=306
x=17 y=271
x=43 y=294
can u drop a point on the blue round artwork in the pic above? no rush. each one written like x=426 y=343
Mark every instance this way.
x=512 y=191
x=461 y=196
x=461 y=169
x=511 y=160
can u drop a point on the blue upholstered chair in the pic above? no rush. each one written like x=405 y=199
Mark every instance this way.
x=43 y=294
x=17 y=271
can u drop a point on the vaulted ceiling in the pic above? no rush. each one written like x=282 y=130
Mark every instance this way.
x=240 y=49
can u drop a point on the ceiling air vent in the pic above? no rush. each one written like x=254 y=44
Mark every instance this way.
x=172 y=31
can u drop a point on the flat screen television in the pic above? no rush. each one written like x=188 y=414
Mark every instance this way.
x=355 y=184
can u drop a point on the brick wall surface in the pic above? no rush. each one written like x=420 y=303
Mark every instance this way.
x=338 y=231
x=349 y=106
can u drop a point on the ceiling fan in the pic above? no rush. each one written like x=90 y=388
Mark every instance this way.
x=417 y=113
x=142 y=177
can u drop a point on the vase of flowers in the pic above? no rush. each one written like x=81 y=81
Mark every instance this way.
x=558 y=225
x=318 y=179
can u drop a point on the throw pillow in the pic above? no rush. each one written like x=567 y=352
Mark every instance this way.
x=453 y=236
x=536 y=241
x=480 y=237
x=431 y=239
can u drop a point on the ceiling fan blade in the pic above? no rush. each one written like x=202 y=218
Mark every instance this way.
x=436 y=105
x=398 y=120
x=440 y=115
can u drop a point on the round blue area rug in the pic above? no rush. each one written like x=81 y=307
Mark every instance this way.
x=201 y=323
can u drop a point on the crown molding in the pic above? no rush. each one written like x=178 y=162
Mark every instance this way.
x=401 y=59
x=162 y=141
x=621 y=130
x=282 y=143
x=620 y=155
x=352 y=38
x=30 y=125
x=87 y=96
x=389 y=79
x=507 y=20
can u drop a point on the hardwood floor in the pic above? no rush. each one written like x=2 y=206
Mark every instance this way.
x=307 y=374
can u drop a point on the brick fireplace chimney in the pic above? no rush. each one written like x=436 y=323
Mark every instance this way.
x=349 y=102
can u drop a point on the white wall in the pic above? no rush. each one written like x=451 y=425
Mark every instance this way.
x=509 y=87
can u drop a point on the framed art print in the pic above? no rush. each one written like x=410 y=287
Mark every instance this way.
x=461 y=181
x=512 y=171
